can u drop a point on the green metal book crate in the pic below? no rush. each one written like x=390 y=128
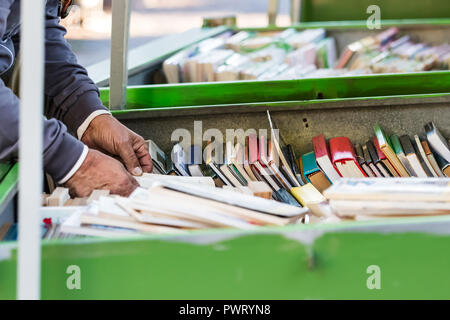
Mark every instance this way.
x=409 y=256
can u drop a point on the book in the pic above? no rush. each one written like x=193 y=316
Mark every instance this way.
x=4 y=230
x=295 y=168
x=158 y=157
x=323 y=158
x=237 y=159
x=247 y=166
x=260 y=189
x=393 y=189
x=239 y=200
x=382 y=157
x=196 y=160
x=397 y=147
x=148 y=180
x=312 y=172
x=388 y=208
x=344 y=158
x=386 y=147
x=278 y=143
x=431 y=158
x=444 y=165
x=259 y=171
x=172 y=66
x=423 y=157
x=412 y=157
x=231 y=167
x=362 y=162
x=226 y=171
x=437 y=141
x=170 y=168
x=213 y=163
x=370 y=163
x=376 y=159
x=269 y=159
x=179 y=160
x=279 y=192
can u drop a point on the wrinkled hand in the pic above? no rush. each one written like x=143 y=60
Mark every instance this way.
x=100 y=171
x=109 y=136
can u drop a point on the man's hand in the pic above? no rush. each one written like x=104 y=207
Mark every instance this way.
x=100 y=171
x=108 y=135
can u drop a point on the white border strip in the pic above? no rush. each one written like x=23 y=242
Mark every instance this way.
x=30 y=148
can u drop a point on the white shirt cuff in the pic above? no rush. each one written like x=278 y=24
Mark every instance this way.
x=76 y=166
x=87 y=122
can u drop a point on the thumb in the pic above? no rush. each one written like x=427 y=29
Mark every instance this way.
x=130 y=159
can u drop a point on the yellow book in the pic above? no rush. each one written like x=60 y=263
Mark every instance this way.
x=307 y=194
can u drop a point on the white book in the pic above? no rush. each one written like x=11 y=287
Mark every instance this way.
x=147 y=180
x=405 y=162
x=375 y=170
x=392 y=189
x=437 y=141
x=240 y=200
x=386 y=208
x=238 y=160
x=325 y=164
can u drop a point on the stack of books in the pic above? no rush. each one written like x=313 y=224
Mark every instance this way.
x=365 y=199
x=272 y=162
x=172 y=206
x=388 y=52
x=50 y=229
x=261 y=182
x=295 y=54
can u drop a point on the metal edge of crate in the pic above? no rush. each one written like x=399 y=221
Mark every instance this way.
x=8 y=186
x=302 y=261
x=216 y=93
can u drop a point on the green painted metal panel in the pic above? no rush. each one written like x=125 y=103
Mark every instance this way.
x=8 y=186
x=337 y=10
x=354 y=24
x=4 y=168
x=296 y=262
x=196 y=94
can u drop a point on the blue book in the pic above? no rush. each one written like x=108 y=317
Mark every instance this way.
x=311 y=170
x=309 y=164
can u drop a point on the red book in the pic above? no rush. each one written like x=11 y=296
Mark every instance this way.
x=323 y=158
x=253 y=155
x=380 y=153
x=344 y=158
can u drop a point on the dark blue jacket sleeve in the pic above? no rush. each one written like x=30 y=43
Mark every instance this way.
x=72 y=96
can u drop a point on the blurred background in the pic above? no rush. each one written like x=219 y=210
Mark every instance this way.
x=89 y=23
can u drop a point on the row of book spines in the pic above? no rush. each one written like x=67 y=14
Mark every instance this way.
x=380 y=155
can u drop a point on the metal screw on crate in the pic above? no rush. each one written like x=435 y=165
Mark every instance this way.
x=374 y=280
x=73 y=282
x=374 y=20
